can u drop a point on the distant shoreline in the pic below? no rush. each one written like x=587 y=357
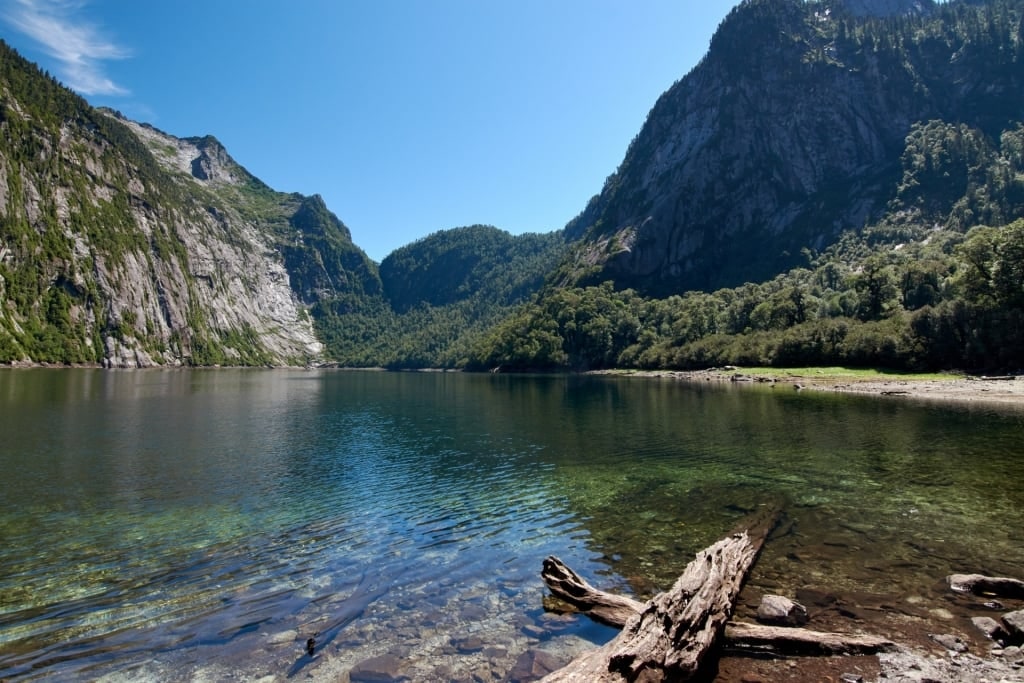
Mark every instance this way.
x=1006 y=390
x=955 y=388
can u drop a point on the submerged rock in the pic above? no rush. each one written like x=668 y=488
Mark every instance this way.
x=383 y=668
x=533 y=665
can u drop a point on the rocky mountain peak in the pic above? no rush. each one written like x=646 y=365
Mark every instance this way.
x=213 y=163
x=203 y=158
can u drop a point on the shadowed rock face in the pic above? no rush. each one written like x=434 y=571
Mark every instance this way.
x=789 y=132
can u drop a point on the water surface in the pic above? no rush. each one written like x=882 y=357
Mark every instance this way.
x=174 y=525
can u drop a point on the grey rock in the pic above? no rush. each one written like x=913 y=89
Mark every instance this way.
x=1013 y=654
x=990 y=627
x=1014 y=622
x=950 y=642
x=533 y=665
x=781 y=611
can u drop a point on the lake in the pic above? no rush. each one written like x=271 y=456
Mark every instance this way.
x=177 y=525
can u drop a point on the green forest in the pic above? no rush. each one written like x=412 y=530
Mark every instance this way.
x=950 y=301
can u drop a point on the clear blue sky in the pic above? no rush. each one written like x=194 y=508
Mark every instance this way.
x=408 y=116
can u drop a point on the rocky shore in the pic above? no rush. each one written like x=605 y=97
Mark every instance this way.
x=1004 y=390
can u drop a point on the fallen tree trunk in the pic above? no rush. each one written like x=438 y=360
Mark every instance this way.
x=615 y=610
x=980 y=584
x=785 y=640
x=670 y=635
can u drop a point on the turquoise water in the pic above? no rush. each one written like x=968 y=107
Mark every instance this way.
x=177 y=525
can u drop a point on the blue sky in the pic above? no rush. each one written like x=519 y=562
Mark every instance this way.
x=408 y=116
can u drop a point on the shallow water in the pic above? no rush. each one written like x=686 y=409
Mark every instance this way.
x=197 y=525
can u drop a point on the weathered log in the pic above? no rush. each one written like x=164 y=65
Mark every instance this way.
x=673 y=632
x=980 y=584
x=567 y=585
x=786 y=640
x=615 y=610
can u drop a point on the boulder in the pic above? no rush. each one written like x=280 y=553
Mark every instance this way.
x=950 y=642
x=781 y=611
x=990 y=627
x=1014 y=622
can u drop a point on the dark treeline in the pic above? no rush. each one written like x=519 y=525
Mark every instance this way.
x=951 y=301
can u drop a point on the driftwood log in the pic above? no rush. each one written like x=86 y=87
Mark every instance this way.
x=671 y=634
x=978 y=584
x=615 y=610
x=668 y=637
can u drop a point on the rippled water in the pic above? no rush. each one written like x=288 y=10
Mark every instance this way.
x=199 y=525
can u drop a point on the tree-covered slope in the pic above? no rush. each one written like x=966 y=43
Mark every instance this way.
x=478 y=261
x=440 y=294
x=790 y=131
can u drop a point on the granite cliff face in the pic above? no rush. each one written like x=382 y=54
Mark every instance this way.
x=127 y=247
x=788 y=132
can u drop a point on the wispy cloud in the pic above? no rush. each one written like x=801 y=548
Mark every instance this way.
x=79 y=47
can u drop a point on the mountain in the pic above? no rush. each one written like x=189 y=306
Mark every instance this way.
x=792 y=130
x=441 y=294
x=479 y=261
x=124 y=246
x=836 y=183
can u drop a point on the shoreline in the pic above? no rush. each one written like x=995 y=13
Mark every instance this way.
x=957 y=389
x=953 y=388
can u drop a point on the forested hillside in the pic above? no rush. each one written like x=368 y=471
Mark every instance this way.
x=934 y=276
x=441 y=293
x=125 y=246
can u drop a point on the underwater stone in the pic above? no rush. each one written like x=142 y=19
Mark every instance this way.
x=468 y=644
x=378 y=669
x=532 y=665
